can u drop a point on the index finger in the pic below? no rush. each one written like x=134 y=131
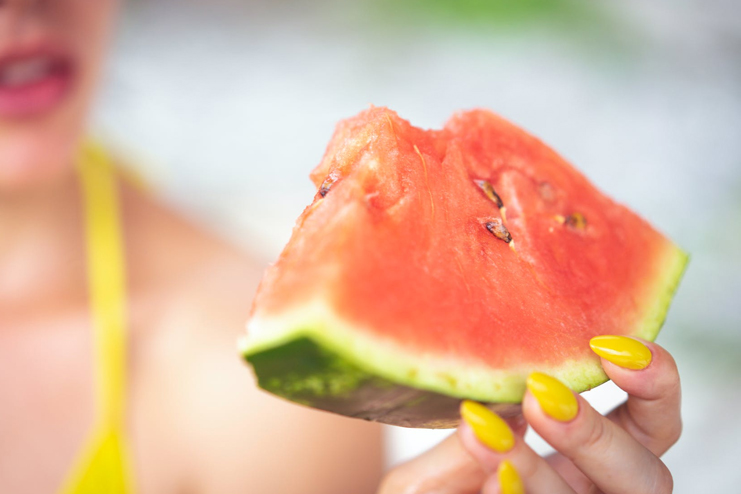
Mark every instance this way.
x=649 y=375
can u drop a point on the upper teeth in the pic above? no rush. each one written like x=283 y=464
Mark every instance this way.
x=24 y=72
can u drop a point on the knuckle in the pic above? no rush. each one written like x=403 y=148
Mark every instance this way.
x=664 y=481
x=661 y=482
x=590 y=439
x=674 y=433
x=668 y=435
x=597 y=439
x=660 y=437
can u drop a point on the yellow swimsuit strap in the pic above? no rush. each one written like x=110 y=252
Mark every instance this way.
x=103 y=467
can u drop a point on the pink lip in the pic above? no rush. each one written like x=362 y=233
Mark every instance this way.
x=40 y=96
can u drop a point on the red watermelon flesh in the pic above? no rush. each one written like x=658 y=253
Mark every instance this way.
x=439 y=265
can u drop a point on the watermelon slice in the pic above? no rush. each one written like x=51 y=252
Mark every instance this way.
x=436 y=265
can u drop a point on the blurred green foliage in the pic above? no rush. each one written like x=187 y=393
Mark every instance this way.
x=495 y=13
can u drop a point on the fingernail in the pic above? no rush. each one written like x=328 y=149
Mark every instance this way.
x=509 y=479
x=621 y=350
x=554 y=398
x=488 y=427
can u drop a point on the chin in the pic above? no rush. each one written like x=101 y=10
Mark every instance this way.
x=35 y=158
x=45 y=97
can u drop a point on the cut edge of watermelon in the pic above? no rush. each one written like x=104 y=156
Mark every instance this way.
x=367 y=357
x=666 y=287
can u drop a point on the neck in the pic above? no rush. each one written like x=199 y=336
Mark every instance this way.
x=41 y=246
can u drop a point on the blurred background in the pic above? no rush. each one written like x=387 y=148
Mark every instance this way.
x=226 y=105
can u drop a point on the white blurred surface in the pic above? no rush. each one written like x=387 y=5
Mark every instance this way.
x=230 y=106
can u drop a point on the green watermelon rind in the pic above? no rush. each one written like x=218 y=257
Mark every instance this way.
x=344 y=358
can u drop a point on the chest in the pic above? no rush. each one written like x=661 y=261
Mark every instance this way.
x=46 y=400
x=47 y=406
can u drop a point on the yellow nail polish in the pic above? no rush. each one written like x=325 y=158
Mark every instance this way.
x=488 y=427
x=621 y=350
x=509 y=479
x=554 y=397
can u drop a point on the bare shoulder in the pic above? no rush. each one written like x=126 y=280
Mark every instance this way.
x=198 y=406
x=168 y=251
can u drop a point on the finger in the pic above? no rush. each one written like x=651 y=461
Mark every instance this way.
x=506 y=481
x=608 y=455
x=649 y=375
x=490 y=441
x=445 y=469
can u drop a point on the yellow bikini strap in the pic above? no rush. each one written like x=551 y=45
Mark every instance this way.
x=106 y=280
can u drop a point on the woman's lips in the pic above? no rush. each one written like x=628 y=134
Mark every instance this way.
x=33 y=84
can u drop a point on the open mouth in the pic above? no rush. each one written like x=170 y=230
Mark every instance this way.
x=33 y=84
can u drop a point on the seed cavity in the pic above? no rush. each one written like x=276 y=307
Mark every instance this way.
x=498 y=229
x=490 y=192
x=576 y=220
x=326 y=185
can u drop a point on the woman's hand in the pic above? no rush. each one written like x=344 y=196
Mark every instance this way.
x=614 y=454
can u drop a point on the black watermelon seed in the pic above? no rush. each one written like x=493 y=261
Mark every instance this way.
x=499 y=230
x=490 y=192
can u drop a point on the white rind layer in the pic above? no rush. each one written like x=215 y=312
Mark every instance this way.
x=387 y=359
